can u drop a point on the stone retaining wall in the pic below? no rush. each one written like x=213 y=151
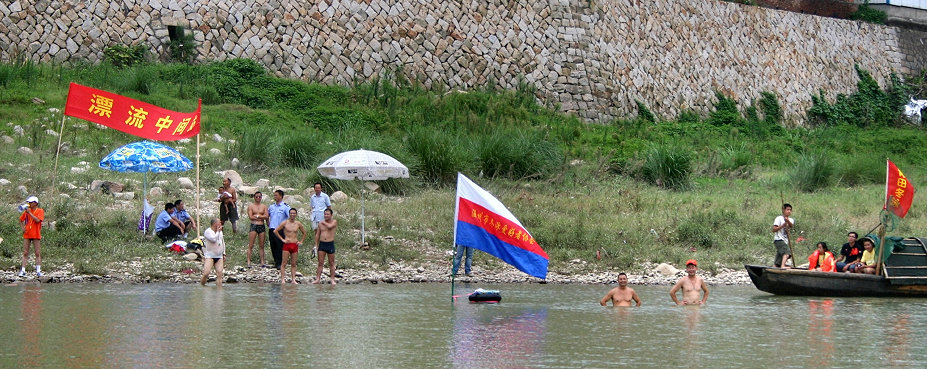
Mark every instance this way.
x=592 y=57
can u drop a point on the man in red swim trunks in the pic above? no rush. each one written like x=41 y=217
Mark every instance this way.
x=291 y=228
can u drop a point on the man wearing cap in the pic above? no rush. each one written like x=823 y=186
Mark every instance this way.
x=690 y=285
x=31 y=221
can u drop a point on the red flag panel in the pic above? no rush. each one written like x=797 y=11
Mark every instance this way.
x=899 y=191
x=129 y=115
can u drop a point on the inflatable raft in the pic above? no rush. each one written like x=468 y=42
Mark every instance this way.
x=485 y=296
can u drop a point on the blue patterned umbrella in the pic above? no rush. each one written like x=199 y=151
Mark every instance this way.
x=144 y=157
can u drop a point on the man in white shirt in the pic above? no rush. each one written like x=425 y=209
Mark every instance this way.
x=213 y=252
x=319 y=201
x=781 y=227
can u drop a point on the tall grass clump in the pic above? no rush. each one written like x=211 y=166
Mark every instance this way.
x=517 y=154
x=813 y=172
x=855 y=170
x=702 y=228
x=259 y=147
x=138 y=79
x=300 y=149
x=667 y=165
x=440 y=155
x=733 y=161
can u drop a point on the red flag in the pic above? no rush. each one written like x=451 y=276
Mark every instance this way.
x=129 y=115
x=899 y=192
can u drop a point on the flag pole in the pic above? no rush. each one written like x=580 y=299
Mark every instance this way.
x=456 y=213
x=453 y=275
x=885 y=204
x=58 y=151
x=199 y=224
x=880 y=268
x=199 y=107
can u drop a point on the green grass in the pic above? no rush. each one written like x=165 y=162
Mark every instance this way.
x=634 y=189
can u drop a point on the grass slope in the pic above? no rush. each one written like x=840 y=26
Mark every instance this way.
x=635 y=190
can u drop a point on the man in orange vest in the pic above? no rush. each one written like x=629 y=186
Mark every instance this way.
x=31 y=222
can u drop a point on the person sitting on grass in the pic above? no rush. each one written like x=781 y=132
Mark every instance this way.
x=166 y=226
x=180 y=213
x=822 y=259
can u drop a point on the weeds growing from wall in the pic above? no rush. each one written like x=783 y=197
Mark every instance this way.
x=869 y=106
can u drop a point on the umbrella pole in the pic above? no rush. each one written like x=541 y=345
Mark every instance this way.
x=144 y=196
x=363 y=195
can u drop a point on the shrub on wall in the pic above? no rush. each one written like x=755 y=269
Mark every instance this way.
x=867 y=14
x=869 y=106
x=123 y=56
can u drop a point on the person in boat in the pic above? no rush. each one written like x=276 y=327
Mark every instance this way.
x=822 y=259
x=850 y=253
x=621 y=295
x=690 y=285
x=868 y=263
x=781 y=226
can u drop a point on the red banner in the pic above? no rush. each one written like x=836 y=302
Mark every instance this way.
x=129 y=115
x=898 y=191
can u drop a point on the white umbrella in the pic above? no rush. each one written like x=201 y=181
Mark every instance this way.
x=363 y=165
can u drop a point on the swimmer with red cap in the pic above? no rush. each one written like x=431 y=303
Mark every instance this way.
x=690 y=285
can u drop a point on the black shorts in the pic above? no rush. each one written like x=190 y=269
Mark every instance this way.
x=259 y=228
x=228 y=212
x=327 y=247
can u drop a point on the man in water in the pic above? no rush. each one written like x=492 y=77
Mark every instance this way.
x=291 y=227
x=325 y=243
x=690 y=285
x=781 y=226
x=257 y=213
x=621 y=295
x=214 y=252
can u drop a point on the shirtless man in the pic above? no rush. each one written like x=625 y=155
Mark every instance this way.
x=227 y=199
x=325 y=244
x=690 y=285
x=291 y=227
x=258 y=214
x=621 y=295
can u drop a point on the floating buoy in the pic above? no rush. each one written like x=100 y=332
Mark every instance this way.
x=485 y=296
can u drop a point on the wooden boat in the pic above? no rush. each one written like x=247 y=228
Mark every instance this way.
x=904 y=275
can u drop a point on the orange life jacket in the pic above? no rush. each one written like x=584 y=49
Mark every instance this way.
x=829 y=264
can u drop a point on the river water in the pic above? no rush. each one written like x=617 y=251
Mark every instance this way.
x=418 y=325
